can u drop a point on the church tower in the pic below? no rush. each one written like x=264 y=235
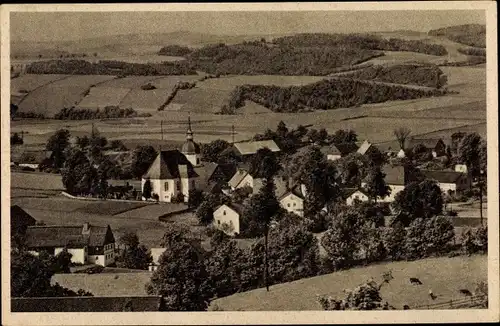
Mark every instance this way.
x=190 y=149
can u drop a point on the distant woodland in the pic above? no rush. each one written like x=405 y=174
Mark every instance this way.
x=175 y=50
x=472 y=34
x=109 y=67
x=415 y=74
x=324 y=95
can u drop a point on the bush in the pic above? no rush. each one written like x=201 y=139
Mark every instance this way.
x=178 y=199
x=148 y=87
x=394 y=239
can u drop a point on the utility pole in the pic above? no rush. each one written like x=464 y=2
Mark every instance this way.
x=232 y=133
x=266 y=263
x=481 y=173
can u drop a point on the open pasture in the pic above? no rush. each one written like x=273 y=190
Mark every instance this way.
x=100 y=97
x=398 y=57
x=438 y=274
x=29 y=82
x=200 y=100
x=144 y=101
x=66 y=92
x=108 y=207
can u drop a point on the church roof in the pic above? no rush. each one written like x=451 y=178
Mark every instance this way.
x=190 y=147
x=170 y=165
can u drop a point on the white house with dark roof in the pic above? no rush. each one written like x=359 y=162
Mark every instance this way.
x=227 y=218
x=449 y=181
x=335 y=151
x=354 y=195
x=395 y=178
x=87 y=243
x=293 y=201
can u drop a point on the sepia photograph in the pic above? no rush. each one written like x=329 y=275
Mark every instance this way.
x=244 y=158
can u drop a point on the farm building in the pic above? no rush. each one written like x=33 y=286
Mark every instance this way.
x=336 y=151
x=356 y=195
x=227 y=218
x=395 y=178
x=88 y=304
x=88 y=243
x=20 y=220
x=449 y=180
x=366 y=147
x=245 y=150
x=435 y=146
x=242 y=178
x=293 y=201
x=30 y=159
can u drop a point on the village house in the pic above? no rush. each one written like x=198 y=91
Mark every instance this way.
x=88 y=244
x=449 y=181
x=293 y=201
x=356 y=195
x=396 y=180
x=366 y=147
x=227 y=218
x=30 y=159
x=242 y=178
x=246 y=150
x=20 y=220
x=435 y=146
x=335 y=151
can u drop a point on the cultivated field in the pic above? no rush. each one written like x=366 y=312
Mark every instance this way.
x=100 y=97
x=67 y=92
x=438 y=274
x=30 y=82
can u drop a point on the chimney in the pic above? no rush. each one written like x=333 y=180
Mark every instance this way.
x=86 y=228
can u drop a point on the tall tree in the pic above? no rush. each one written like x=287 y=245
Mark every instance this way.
x=344 y=136
x=57 y=144
x=211 y=152
x=78 y=175
x=142 y=159
x=135 y=255
x=402 y=134
x=469 y=152
x=375 y=184
x=181 y=277
x=418 y=200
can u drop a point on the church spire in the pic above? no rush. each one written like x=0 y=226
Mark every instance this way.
x=189 y=133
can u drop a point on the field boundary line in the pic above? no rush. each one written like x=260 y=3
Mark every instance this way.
x=445 y=129
x=38 y=87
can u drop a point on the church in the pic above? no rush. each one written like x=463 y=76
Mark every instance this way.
x=172 y=174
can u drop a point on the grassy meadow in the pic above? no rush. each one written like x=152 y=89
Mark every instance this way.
x=439 y=274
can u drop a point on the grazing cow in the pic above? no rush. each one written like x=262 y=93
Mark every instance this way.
x=414 y=280
x=466 y=292
x=432 y=295
x=406 y=307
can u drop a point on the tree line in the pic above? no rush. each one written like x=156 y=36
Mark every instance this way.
x=175 y=50
x=361 y=41
x=413 y=74
x=469 y=34
x=109 y=67
x=261 y=58
x=477 y=52
x=109 y=112
x=324 y=95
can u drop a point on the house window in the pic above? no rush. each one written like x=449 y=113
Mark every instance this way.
x=224 y=213
x=178 y=185
x=218 y=222
x=293 y=204
x=166 y=186
x=288 y=204
x=197 y=161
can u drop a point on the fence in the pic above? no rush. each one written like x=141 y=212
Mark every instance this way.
x=477 y=301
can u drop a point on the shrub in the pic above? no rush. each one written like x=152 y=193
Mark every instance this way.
x=148 y=87
x=178 y=199
x=395 y=239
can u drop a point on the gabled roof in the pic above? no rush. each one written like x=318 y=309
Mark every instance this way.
x=350 y=191
x=342 y=149
x=19 y=219
x=71 y=236
x=237 y=177
x=394 y=175
x=251 y=147
x=238 y=208
x=442 y=176
x=170 y=164
x=88 y=304
x=365 y=146
x=294 y=191
x=429 y=143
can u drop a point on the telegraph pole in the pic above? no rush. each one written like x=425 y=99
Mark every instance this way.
x=481 y=173
x=232 y=133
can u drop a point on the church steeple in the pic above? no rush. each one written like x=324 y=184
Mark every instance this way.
x=189 y=132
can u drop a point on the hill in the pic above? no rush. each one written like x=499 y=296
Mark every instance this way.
x=438 y=274
x=471 y=34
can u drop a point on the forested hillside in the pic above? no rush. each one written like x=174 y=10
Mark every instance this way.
x=109 y=67
x=361 y=41
x=472 y=34
x=175 y=50
x=324 y=95
x=413 y=74
x=255 y=58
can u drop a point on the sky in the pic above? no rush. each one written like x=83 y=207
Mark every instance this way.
x=60 y=26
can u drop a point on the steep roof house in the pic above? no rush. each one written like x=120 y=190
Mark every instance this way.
x=227 y=218
x=335 y=151
x=87 y=243
x=20 y=220
x=293 y=201
x=449 y=180
x=436 y=146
